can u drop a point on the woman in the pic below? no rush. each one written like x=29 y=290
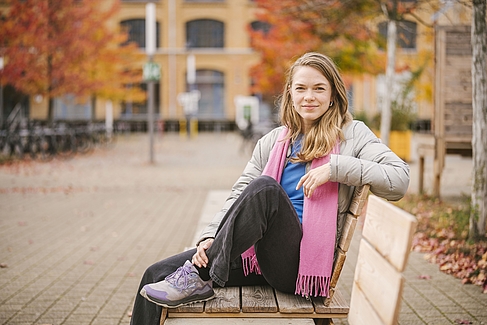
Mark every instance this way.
x=280 y=224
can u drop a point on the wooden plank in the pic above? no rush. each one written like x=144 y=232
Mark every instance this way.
x=328 y=299
x=338 y=304
x=337 y=268
x=197 y=307
x=358 y=199
x=380 y=281
x=258 y=299
x=290 y=303
x=362 y=313
x=238 y=321
x=390 y=230
x=255 y=315
x=347 y=232
x=163 y=316
x=227 y=300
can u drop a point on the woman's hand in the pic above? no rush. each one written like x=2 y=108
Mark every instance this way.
x=314 y=178
x=199 y=258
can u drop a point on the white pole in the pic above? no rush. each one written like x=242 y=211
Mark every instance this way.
x=191 y=70
x=109 y=117
x=150 y=29
x=172 y=62
x=150 y=47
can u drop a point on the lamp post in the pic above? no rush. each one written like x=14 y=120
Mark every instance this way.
x=151 y=70
x=1 y=95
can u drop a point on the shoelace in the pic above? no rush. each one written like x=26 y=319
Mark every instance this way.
x=181 y=272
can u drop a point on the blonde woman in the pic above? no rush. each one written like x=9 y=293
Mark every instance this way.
x=281 y=222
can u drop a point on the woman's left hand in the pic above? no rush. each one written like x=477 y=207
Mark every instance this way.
x=314 y=178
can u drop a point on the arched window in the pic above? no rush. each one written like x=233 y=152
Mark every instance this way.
x=211 y=85
x=136 y=30
x=406 y=33
x=205 y=33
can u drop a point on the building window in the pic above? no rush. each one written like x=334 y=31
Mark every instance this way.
x=406 y=33
x=211 y=85
x=136 y=31
x=205 y=33
x=260 y=26
x=69 y=107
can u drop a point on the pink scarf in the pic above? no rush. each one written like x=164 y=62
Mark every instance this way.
x=319 y=227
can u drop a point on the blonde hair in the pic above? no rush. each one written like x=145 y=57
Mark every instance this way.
x=327 y=129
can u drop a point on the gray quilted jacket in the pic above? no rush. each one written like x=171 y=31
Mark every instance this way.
x=363 y=159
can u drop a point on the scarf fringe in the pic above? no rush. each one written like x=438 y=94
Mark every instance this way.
x=312 y=285
x=250 y=265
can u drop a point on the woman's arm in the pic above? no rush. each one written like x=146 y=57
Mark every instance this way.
x=364 y=159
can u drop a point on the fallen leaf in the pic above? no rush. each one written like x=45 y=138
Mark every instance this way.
x=424 y=277
x=3 y=265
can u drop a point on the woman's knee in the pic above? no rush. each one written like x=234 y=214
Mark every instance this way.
x=263 y=181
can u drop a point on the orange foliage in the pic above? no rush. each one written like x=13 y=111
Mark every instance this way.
x=64 y=46
x=336 y=28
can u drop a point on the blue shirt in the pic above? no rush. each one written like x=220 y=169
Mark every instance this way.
x=290 y=177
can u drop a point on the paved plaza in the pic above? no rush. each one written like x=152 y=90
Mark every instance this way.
x=77 y=235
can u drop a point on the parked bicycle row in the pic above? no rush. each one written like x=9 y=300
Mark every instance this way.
x=62 y=141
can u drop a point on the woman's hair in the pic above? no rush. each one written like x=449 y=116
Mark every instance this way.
x=327 y=129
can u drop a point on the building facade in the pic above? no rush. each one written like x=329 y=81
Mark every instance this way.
x=200 y=45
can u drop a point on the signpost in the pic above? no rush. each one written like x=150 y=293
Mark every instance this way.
x=151 y=71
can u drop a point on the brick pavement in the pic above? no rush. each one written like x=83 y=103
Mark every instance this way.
x=78 y=234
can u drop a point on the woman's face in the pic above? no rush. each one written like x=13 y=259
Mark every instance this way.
x=311 y=94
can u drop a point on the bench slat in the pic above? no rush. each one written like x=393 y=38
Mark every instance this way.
x=390 y=236
x=347 y=232
x=197 y=307
x=227 y=300
x=338 y=304
x=358 y=200
x=337 y=268
x=290 y=303
x=258 y=299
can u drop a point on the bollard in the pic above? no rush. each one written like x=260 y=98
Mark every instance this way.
x=193 y=128
x=183 y=133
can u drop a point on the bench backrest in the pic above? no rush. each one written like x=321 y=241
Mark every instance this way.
x=358 y=201
x=383 y=254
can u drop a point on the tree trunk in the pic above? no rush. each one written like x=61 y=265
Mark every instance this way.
x=479 y=125
x=93 y=109
x=385 y=122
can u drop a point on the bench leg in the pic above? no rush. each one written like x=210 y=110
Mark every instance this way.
x=163 y=316
x=323 y=321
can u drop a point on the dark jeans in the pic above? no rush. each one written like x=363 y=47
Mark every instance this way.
x=262 y=216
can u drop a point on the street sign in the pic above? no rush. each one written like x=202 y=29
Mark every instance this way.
x=152 y=71
x=189 y=101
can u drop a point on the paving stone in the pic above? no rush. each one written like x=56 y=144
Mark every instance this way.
x=79 y=234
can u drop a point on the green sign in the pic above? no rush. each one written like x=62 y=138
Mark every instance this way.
x=152 y=71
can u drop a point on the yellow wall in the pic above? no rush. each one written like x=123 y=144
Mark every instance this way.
x=234 y=60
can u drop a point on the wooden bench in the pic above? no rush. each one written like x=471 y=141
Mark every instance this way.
x=383 y=254
x=256 y=302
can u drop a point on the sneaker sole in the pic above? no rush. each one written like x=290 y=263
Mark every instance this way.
x=163 y=304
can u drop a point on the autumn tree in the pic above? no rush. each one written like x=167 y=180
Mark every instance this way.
x=343 y=29
x=53 y=48
x=338 y=28
x=478 y=212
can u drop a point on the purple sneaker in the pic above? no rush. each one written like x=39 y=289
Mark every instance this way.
x=182 y=287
